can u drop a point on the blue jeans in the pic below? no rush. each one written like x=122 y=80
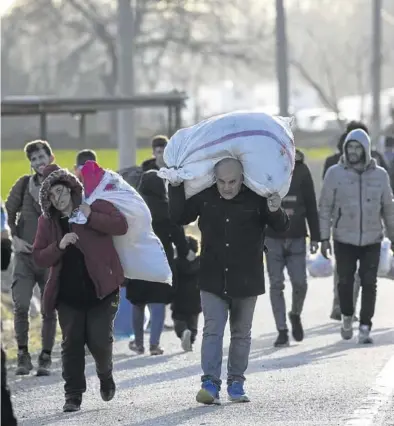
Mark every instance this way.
x=157 y=315
x=289 y=253
x=216 y=313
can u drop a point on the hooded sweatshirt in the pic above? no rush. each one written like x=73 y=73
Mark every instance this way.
x=353 y=202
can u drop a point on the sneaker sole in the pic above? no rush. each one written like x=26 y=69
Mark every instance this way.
x=204 y=397
x=240 y=399
x=367 y=341
x=107 y=398
x=282 y=345
x=186 y=341
x=71 y=410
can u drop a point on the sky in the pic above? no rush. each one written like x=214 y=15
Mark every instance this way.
x=4 y=5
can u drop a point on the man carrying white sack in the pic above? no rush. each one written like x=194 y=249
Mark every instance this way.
x=232 y=220
x=355 y=197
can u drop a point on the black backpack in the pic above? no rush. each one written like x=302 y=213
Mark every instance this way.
x=132 y=175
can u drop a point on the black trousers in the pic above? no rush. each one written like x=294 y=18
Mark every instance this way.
x=346 y=256
x=7 y=413
x=186 y=322
x=93 y=327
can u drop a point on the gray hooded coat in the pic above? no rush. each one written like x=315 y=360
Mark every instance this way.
x=353 y=202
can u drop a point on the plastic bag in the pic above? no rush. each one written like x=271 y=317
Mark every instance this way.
x=264 y=144
x=385 y=258
x=140 y=251
x=320 y=267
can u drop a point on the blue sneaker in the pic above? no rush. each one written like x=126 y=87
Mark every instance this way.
x=236 y=393
x=208 y=394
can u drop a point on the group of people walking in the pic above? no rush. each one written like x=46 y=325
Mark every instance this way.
x=237 y=229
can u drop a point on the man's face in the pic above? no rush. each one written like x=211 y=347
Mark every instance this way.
x=229 y=179
x=60 y=197
x=39 y=160
x=355 y=153
x=158 y=154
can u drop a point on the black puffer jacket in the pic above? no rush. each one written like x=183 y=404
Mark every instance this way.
x=232 y=231
x=153 y=191
x=300 y=204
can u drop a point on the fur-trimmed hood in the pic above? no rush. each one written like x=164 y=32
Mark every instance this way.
x=53 y=174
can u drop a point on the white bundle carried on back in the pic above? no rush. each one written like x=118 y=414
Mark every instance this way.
x=263 y=143
x=140 y=251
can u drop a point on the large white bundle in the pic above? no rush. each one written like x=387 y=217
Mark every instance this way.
x=140 y=251
x=264 y=144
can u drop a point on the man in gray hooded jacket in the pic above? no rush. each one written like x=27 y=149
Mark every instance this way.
x=355 y=197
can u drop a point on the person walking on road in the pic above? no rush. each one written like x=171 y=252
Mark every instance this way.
x=155 y=295
x=332 y=161
x=288 y=249
x=85 y=275
x=355 y=197
x=23 y=211
x=186 y=304
x=232 y=221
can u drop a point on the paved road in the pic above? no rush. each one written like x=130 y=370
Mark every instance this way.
x=322 y=381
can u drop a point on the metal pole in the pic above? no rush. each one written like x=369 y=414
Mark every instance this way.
x=376 y=65
x=282 y=64
x=127 y=143
x=43 y=126
x=82 y=130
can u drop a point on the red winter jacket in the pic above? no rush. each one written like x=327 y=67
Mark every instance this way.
x=95 y=239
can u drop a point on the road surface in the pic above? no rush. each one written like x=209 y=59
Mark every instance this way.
x=321 y=381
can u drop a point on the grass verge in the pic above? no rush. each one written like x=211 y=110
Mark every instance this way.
x=14 y=164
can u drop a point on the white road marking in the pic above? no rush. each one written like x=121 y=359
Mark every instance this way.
x=379 y=395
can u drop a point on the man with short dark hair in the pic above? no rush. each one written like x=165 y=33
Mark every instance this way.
x=159 y=143
x=82 y=157
x=23 y=211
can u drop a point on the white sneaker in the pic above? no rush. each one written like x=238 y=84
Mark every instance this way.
x=347 y=327
x=186 y=342
x=364 y=337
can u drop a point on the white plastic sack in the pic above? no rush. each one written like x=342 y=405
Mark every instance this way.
x=320 y=267
x=390 y=275
x=264 y=144
x=140 y=251
x=385 y=258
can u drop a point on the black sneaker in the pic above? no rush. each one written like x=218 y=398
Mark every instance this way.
x=72 y=404
x=44 y=364
x=296 y=327
x=24 y=363
x=107 y=389
x=282 y=340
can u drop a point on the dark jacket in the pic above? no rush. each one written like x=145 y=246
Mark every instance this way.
x=186 y=299
x=154 y=192
x=232 y=236
x=300 y=204
x=95 y=239
x=149 y=164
